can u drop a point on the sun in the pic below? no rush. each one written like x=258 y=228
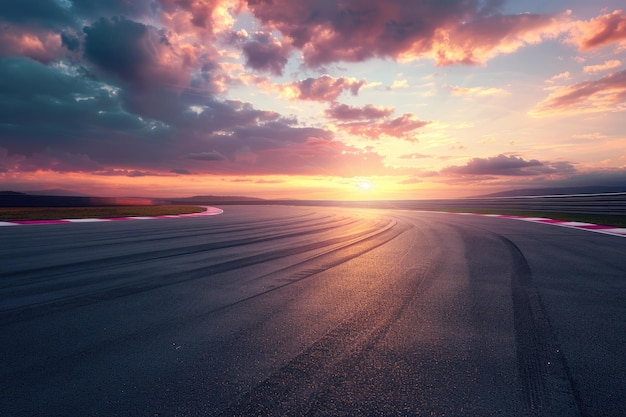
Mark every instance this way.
x=364 y=185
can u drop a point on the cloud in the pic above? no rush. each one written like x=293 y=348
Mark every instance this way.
x=264 y=181
x=133 y=52
x=266 y=53
x=608 y=94
x=414 y=156
x=600 y=31
x=323 y=88
x=39 y=44
x=367 y=112
x=402 y=127
x=564 y=76
x=42 y=13
x=373 y=122
x=608 y=65
x=119 y=96
x=477 y=91
x=73 y=112
x=89 y=125
x=451 y=32
x=503 y=165
x=207 y=156
x=477 y=41
x=180 y=171
x=397 y=84
x=410 y=181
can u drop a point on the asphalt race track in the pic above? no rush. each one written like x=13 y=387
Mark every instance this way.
x=312 y=311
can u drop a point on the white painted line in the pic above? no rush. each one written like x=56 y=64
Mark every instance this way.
x=576 y=224
x=86 y=220
x=209 y=211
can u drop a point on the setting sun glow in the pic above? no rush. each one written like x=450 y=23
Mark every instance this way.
x=222 y=97
x=364 y=185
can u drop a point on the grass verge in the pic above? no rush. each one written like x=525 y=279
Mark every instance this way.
x=54 y=213
x=603 y=219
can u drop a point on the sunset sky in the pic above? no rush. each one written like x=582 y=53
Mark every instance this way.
x=314 y=99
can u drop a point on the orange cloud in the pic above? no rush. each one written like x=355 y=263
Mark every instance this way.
x=477 y=91
x=476 y=42
x=400 y=127
x=600 y=31
x=324 y=88
x=41 y=45
x=607 y=94
x=608 y=65
x=455 y=32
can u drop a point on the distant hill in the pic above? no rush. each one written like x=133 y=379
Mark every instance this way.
x=19 y=199
x=58 y=192
x=211 y=199
x=556 y=191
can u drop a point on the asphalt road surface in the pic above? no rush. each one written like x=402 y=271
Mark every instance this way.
x=312 y=311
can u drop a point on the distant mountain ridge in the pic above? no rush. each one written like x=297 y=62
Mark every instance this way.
x=65 y=198
x=57 y=192
x=533 y=192
x=210 y=199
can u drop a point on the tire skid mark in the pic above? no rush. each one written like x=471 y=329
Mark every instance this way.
x=306 y=384
x=197 y=273
x=9 y=280
x=549 y=388
x=377 y=234
x=366 y=244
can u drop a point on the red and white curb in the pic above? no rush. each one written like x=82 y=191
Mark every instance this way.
x=609 y=230
x=209 y=211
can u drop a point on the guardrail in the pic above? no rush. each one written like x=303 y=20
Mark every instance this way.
x=606 y=204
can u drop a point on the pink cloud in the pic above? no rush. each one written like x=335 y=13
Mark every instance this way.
x=503 y=165
x=198 y=18
x=401 y=127
x=314 y=156
x=452 y=32
x=40 y=45
x=477 y=91
x=608 y=94
x=608 y=65
x=479 y=40
x=266 y=53
x=600 y=31
x=324 y=88
x=369 y=112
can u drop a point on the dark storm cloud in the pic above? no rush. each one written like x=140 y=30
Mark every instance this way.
x=46 y=13
x=124 y=48
x=70 y=40
x=110 y=8
x=88 y=86
x=47 y=109
x=53 y=13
